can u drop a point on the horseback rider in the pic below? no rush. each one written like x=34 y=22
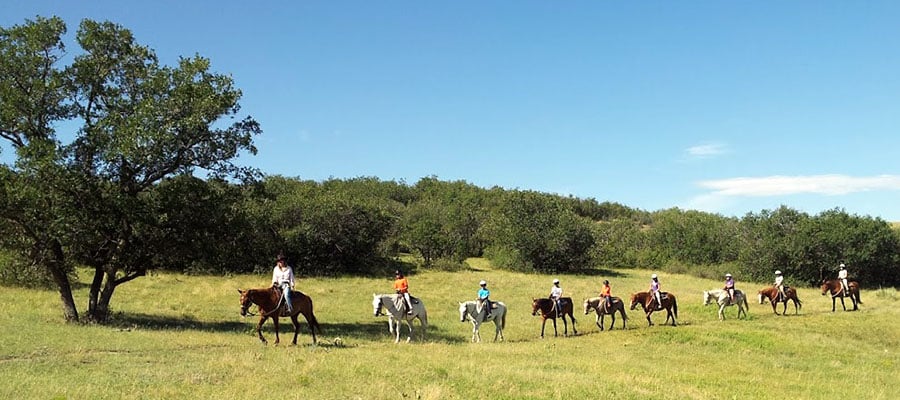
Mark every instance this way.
x=283 y=278
x=842 y=276
x=606 y=294
x=483 y=301
x=555 y=294
x=779 y=284
x=654 y=291
x=401 y=286
x=729 y=287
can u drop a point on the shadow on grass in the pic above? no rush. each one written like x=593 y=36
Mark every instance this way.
x=163 y=323
x=376 y=330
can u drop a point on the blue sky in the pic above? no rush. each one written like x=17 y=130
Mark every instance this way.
x=726 y=107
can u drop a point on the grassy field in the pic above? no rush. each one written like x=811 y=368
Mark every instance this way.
x=179 y=336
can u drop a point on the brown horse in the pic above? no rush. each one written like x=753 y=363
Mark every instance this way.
x=645 y=299
x=549 y=311
x=835 y=288
x=269 y=302
x=598 y=304
x=774 y=296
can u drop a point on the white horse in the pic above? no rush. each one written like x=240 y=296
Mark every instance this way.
x=498 y=315
x=724 y=300
x=387 y=302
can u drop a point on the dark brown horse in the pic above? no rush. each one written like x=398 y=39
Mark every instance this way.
x=772 y=294
x=269 y=302
x=549 y=311
x=835 y=288
x=645 y=299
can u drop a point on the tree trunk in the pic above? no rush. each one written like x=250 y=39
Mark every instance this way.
x=61 y=278
x=99 y=302
x=94 y=293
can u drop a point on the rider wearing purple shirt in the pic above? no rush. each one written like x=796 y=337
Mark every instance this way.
x=729 y=286
x=654 y=290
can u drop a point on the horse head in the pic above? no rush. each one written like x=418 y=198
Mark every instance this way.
x=825 y=287
x=634 y=300
x=376 y=305
x=587 y=306
x=245 y=301
x=535 y=306
x=463 y=312
x=706 y=298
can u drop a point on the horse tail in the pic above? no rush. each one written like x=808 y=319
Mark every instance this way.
x=675 y=306
x=858 y=299
x=503 y=320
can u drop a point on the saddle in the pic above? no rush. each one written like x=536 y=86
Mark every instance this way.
x=400 y=304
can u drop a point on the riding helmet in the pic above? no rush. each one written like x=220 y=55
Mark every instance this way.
x=728 y=275
x=555 y=281
x=482 y=283
x=605 y=282
x=653 y=276
x=842 y=266
x=777 y=272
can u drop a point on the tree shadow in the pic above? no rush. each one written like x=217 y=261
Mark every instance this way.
x=373 y=331
x=166 y=323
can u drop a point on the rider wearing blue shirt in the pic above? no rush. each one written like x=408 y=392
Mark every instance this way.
x=483 y=300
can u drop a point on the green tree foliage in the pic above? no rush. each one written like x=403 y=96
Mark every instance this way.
x=535 y=231
x=445 y=221
x=692 y=237
x=140 y=122
x=329 y=228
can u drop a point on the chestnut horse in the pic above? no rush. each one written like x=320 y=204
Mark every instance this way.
x=834 y=287
x=645 y=299
x=598 y=304
x=270 y=306
x=771 y=293
x=548 y=311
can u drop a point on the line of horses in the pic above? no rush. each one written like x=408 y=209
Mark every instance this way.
x=270 y=305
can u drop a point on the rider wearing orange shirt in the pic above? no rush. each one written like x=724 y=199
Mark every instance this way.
x=401 y=286
x=605 y=293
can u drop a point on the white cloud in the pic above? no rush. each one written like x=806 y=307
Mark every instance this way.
x=706 y=150
x=786 y=185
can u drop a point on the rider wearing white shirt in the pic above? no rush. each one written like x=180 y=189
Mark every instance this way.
x=842 y=275
x=283 y=278
x=779 y=283
x=555 y=294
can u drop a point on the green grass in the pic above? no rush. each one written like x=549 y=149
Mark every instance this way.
x=177 y=336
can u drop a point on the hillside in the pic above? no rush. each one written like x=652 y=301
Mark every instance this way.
x=178 y=336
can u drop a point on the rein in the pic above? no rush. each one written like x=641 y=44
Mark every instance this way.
x=265 y=314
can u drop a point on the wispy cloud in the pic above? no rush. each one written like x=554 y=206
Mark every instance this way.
x=831 y=185
x=706 y=150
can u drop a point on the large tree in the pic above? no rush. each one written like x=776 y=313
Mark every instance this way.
x=132 y=122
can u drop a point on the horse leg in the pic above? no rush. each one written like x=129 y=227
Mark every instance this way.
x=843 y=305
x=555 y=331
x=649 y=322
x=721 y=312
x=574 y=329
x=475 y=337
x=296 y=328
x=259 y=325
x=409 y=325
x=600 y=319
x=277 y=338
x=543 y=325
